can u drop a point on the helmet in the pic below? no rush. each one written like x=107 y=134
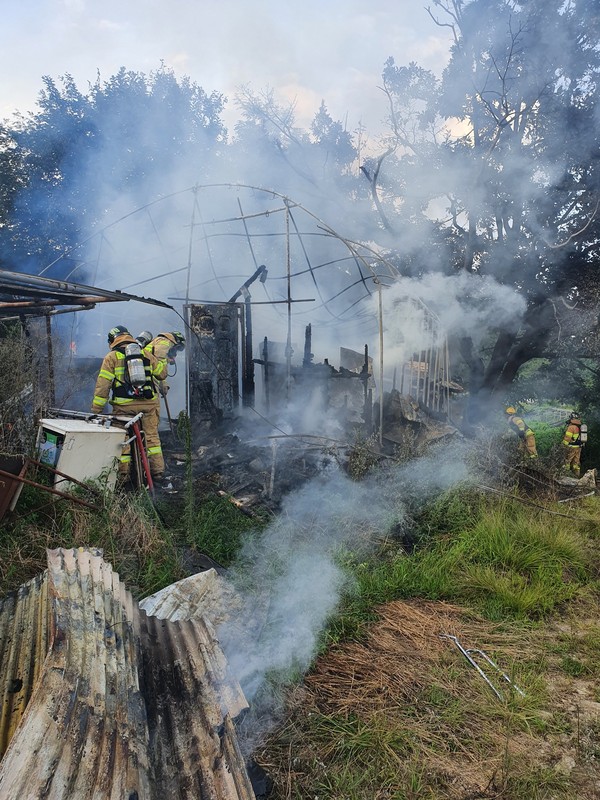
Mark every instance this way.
x=178 y=340
x=511 y=410
x=118 y=330
x=144 y=338
x=573 y=415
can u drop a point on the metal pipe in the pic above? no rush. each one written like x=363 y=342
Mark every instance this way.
x=468 y=654
x=472 y=662
x=62 y=474
x=164 y=397
x=288 y=347
x=50 y=361
x=265 y=355
x=272 y=480
x=248 y=372
x=18 y=478
x=143 y=455
x=380 y=304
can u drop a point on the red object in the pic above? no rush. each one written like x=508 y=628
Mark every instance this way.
x=143 y=455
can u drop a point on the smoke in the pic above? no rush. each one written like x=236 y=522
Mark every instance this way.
x=463 y=305
x=291 y=576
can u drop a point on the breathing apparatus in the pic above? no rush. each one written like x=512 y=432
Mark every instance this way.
x=134 y=365
x=144 y=338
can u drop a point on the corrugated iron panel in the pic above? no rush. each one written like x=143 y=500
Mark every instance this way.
x=204 y=595
x=23 y=647
x=111 y=703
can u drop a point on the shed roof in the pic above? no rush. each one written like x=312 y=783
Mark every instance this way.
x=22 y=294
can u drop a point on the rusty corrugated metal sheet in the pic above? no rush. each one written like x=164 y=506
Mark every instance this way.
x=102 y=701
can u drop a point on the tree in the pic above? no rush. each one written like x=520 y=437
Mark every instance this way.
x=79 y=151
x=503 y=152
x=316 y=165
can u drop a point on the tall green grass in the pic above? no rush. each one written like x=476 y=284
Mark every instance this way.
x=502 y=558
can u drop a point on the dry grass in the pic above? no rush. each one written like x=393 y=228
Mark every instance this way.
x=403 y=699
x=125 y=528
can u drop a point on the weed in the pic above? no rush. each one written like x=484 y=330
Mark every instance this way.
x=573 y=667
x=184 y=433
x=125 y=528
x=362 y=457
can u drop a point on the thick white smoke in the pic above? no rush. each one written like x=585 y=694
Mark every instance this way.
x=290 y=578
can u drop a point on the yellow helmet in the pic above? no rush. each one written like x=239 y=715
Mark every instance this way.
x=511 y=410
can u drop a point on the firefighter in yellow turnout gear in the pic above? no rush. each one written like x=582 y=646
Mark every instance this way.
x=526 y=435
x=164 y=347
x=573 y=441
x=129 y=398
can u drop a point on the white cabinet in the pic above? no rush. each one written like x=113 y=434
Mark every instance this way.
x=81 y=449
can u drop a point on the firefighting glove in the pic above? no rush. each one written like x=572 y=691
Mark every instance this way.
x=163 y=388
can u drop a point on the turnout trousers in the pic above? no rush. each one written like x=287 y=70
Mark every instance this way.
x=149 y=424
x=573 y=459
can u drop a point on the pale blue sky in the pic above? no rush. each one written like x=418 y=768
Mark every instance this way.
x=304 y=49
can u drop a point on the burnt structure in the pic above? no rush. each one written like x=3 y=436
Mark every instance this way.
x=346 y=392
x=213 y=353
x=221 y=368
x=420 y=358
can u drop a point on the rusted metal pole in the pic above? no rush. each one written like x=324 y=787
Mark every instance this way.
x=18 y=478
x=51 y=388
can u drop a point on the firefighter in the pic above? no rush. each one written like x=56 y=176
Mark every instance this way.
x=523 y=431
x=131 y=376
x=165 y=347
x=573 y=441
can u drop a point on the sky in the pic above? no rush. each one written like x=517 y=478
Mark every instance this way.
x=305 y=50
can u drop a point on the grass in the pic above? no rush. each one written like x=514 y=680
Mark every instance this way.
x=432 y=728
x=423 y=727
x=125 y=527
x=144 y=546
x=503 y=559
x=217 y=528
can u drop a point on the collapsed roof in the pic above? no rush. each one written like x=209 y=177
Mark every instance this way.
x=22 y=294
x=101 y=700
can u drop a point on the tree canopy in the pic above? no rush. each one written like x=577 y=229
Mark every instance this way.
x=488 y=174
x=501 y=154
x=128 y=135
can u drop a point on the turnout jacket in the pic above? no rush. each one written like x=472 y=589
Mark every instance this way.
x=518 y=425
x=572 y=437
x=160 y=347
x=113 y=377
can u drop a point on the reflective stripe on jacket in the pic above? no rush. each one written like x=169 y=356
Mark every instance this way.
x=112 y=376
x=572 y=437
x=519 y=427
x=159 y=347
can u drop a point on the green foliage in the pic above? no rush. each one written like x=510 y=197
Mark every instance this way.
x=59 y=152
x=548 y=438
x=505 y=559
x=218 y=529
x=184 y=432
x=124 y=526
x=362 y=457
